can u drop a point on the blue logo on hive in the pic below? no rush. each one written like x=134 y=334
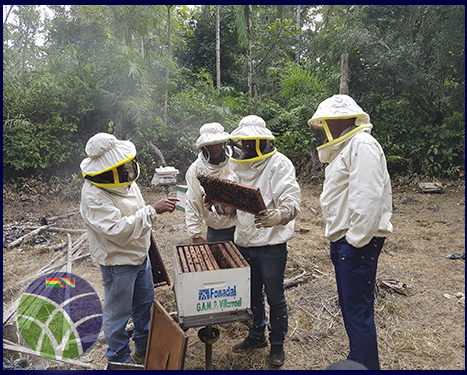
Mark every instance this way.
x=205 y=294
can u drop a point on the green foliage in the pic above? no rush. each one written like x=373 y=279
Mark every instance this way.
x=397 y=165
x=104 y=68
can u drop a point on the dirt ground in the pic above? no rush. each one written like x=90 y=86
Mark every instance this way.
x=423 y=329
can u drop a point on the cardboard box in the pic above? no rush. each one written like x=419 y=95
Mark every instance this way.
x=211 y=297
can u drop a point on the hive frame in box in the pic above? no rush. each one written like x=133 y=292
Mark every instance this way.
x=232 y=194
x=211 y=297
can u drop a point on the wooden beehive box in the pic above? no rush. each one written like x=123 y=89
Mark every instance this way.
x=211 y=284
x=232 y=194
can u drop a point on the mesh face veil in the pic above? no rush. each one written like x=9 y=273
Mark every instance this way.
x=339 y=107
x=117 y=176
x=251 y=141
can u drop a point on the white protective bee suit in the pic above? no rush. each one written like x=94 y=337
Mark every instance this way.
x=196 y=212
x=356 y=200
x=118 y=221
x=262 y=238
x=118 y=225
x=274 y=174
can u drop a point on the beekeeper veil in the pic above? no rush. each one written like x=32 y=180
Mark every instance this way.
x=339 y=107
x=110 y=162
x=251 y=140
x=211 y=134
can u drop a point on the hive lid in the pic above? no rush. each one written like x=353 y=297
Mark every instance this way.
x=167 y=342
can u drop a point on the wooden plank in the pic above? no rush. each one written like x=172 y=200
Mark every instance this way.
x=194 y=256
x=167 y=342
x=206 y=258
x=232 y=194
x=239 y=254
x=181 y=257
x=200 y=258
x=211 y=257
x=189 y=260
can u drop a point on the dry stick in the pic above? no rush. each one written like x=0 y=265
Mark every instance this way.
x=62 y=216
x=206 y=258
x=195 y=259
x=304 y=276
x=21 y=349
x=200 y=258
x=211 y=257
x=69 y=260
x=182 y=259
x=28 y=235
x=51 y=247
x=67 y=230
x=191 y=266
x=234 y=255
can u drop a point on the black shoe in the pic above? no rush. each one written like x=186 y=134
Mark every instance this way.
x=277 y=355
x=249 y=344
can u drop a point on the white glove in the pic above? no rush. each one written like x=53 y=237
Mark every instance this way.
x=218 y=208
x=268 y=218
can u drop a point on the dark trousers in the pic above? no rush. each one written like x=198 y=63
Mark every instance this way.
x=220 y=235
x=267 y=265
x=355 y=270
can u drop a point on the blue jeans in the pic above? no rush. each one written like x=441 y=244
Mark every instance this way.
x=267 y=266
x=220 y=235
x=355 y=276
x=128 y=291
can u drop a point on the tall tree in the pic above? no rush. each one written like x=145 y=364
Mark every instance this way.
x=169 y=55
x=297 y=46
x=218 y=49
x=250 y=38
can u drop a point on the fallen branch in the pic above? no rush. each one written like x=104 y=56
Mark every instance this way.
x=63 y=216
x=26 y=236
x=8 y=345
x=51 y=247
x=67 y=230
x=303 y=277
x=69 y=260
x=310 y=208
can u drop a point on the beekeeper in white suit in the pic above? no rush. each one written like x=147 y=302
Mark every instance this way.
x=357 y=205
x=262 y=239
x=213 y=160
x=118 y=224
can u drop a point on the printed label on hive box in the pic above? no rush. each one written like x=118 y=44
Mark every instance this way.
x=214 y=299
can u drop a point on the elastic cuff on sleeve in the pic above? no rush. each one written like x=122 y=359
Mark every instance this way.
x=152 y=213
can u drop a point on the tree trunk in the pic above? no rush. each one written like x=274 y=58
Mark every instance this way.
x=7 y=14
x=297 y=46
x=344 y=86
x=250 y=26
x=218 y=49
x=169 y=55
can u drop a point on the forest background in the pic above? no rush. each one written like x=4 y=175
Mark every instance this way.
x=154 y=74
